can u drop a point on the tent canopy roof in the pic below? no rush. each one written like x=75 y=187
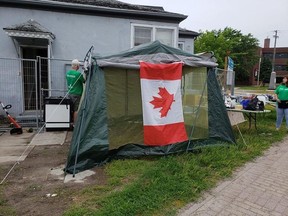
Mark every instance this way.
x=155 y=52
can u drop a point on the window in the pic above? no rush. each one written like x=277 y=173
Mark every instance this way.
x=142 y=35
x=148 y=33
x=181 y=45
x=280 y=67
x=165 y=36
x=281 y=55
x=277 y=55
x=268 y=55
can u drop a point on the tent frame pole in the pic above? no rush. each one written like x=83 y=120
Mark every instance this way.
x=82 y=119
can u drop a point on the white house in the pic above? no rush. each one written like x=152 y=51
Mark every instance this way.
x=60 y=30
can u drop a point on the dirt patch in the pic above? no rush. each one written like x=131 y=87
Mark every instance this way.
x=31 y=189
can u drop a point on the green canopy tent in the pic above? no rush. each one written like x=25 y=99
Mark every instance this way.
x=110 y=122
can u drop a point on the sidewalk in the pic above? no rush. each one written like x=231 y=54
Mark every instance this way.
x=16 y=147
x=258 y=188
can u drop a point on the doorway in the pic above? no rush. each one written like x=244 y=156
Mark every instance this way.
x=30 y=82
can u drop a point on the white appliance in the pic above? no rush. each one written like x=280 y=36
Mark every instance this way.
x=57 y=113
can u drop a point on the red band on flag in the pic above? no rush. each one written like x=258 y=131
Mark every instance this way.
x=165 y=134
x=160 y=71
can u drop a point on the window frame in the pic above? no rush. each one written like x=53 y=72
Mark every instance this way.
x=154 y=28
x=182 y=44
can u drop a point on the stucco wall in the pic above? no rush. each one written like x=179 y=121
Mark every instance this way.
x=75 y=33
x=188 y=44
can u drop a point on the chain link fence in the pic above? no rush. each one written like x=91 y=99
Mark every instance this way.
x=18 y=83
x=25 y=83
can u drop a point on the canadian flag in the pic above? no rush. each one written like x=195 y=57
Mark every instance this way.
x=162 y=106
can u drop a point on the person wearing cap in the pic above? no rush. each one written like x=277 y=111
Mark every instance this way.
x=75 y=81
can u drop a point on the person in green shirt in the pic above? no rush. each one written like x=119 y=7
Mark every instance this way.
x=75 y=81
x=282 y=103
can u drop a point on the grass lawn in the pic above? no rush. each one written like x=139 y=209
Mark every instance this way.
x=256 y=89
x=161 y=186
x=260 y=88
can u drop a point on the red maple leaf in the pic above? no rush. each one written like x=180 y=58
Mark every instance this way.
x=164 y=101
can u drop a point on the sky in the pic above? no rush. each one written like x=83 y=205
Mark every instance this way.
x=261 y=18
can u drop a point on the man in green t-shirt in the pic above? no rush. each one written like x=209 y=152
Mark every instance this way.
x=75 y=81
x=282 y=103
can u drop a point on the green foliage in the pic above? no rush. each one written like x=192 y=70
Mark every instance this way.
x=265 y=70
x=242 y=48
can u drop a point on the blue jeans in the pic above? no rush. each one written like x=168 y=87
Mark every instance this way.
x=280 y=115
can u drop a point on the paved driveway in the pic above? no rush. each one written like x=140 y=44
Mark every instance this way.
x=16 y=147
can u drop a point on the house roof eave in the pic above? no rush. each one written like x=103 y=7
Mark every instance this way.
x=95 y=10
x=188 y=33
x=19 y=34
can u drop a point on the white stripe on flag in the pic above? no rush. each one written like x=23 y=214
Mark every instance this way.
x=151 y=116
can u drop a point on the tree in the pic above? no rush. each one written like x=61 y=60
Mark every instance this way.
x=265 y=70
x=242 y=48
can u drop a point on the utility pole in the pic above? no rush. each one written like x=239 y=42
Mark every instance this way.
x=259 y=69
x=274 y=51
x=226 y=70
x=272 y=83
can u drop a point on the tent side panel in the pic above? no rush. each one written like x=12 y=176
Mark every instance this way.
x=116 y=91
x=195 y=105
x=219 y=123
x=134 y=93
x=89 y=144
x=123 y=92
x=125 y=119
